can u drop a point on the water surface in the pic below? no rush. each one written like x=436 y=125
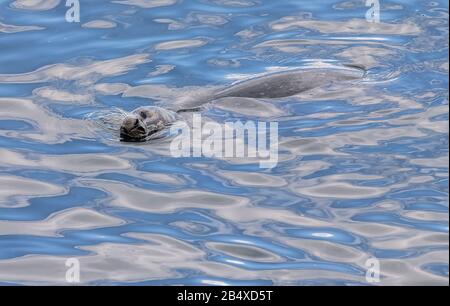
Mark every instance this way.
x=363 y=169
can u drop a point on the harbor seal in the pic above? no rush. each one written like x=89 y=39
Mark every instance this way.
x=145 y=121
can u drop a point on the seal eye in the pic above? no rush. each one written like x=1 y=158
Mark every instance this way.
x=143 y=115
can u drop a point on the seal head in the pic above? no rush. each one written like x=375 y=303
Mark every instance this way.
x=144 y=122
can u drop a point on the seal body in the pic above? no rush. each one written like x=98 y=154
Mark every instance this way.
x=289 y=83
x=274 y=85
x=144 y=122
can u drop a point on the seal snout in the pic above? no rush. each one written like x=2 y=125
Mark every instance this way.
x=133 y=128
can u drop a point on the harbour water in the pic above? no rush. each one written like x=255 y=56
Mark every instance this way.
x=362 y=174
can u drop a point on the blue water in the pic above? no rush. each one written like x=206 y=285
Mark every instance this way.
x=362 y=172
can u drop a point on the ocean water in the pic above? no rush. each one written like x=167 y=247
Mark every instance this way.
x=362 y=177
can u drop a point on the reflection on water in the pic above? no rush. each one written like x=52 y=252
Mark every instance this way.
x=363 y=169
